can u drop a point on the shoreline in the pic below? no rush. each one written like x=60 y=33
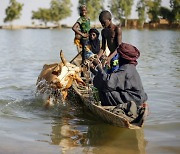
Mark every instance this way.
x=129 y=26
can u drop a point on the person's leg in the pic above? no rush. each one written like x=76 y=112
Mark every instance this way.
x=84 y=44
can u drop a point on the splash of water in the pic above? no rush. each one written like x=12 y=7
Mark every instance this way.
x=44 y=90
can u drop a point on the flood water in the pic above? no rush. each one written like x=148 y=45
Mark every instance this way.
x=27 y=127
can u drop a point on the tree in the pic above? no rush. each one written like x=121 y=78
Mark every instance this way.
x=141 y=9
x=154 y=10
x=42 y=14
x=166 y=13
x=13 y=11
x=175 y=5
x=121 y=9
x=94 y=7
x=60 y=10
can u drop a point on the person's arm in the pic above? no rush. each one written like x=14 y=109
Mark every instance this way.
x=110 y=57
x=110 y=82
x=75 y=28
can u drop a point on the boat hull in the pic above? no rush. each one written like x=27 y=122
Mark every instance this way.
x=103 y=112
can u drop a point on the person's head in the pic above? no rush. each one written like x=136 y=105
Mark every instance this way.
x=82 y=10
x=105 y=18
x=128 y=54
x=93 y=34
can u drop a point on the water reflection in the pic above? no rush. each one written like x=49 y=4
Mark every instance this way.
x=65 y=135
x=96 y=138
x=109 y=138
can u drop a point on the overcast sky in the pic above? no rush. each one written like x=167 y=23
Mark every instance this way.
x=30 y=5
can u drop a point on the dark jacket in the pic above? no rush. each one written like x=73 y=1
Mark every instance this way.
x=120 y=87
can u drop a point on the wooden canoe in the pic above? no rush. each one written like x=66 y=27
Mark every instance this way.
x=87 y=97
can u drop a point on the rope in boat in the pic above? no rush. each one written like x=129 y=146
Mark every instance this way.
x=88 y=62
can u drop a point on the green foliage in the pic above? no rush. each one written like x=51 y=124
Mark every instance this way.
x=55 y=8
x=60 y=10
x=175 y=5
x=13 y=11
x=166 y=14
x=154 y=10
x=94 y=7
x=141 y=9
x=42 y=14
x=82 y=2
x=121 y=8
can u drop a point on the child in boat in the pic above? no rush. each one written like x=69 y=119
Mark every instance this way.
x=93 y=44
x=123 y=85
x=112 y=36
x=81 y=29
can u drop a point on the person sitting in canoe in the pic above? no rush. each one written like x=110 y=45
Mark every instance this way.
x=93 y=45
x=123 y=85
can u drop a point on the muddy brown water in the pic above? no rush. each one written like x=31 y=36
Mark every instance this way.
x=27 y=127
